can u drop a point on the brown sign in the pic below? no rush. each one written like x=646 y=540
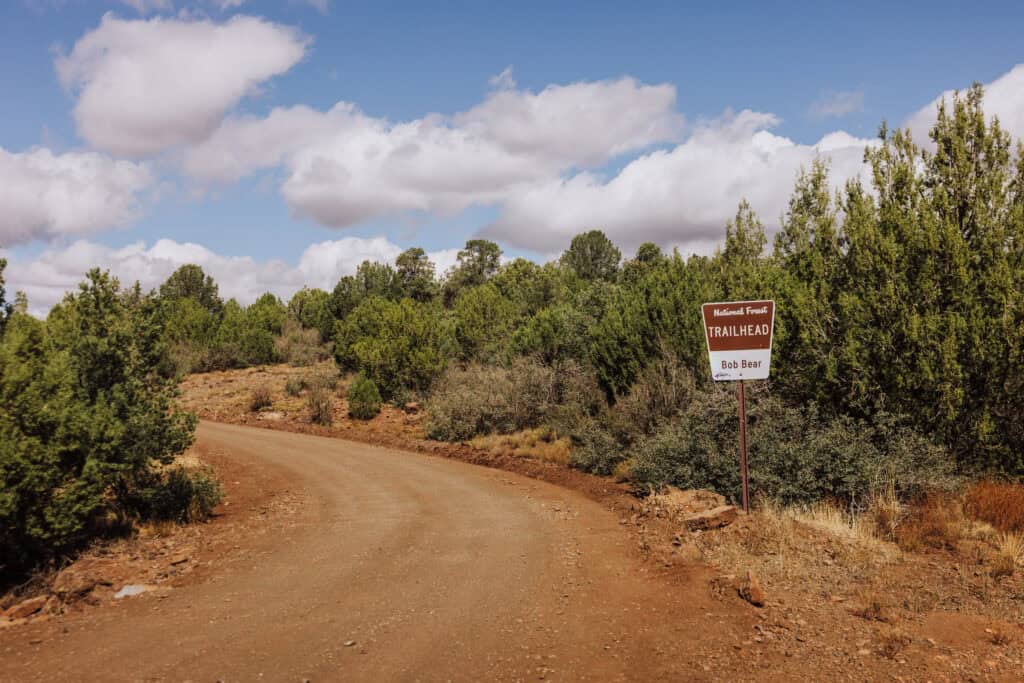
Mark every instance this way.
x=739 y=337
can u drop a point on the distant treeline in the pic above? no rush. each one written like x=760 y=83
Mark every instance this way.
x=898 y=346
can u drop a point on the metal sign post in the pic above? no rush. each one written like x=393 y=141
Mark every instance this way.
x=743 y=449
x=739 y=337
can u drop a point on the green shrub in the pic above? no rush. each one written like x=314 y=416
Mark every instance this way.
x=363 y=399
x=467 y=402
x=795 y=455
x=400 y=345
x=81 y=408
x=295 y=385
x=595 y=449
x=176 y=495
x=260 y=398
x=320 y=407
x=664 y=389
x=484 y=399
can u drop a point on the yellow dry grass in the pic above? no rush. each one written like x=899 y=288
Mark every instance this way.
x=540 y=443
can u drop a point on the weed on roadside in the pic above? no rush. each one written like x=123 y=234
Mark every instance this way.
x=260 y=398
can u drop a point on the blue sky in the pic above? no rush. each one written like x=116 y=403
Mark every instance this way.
x=803 y=71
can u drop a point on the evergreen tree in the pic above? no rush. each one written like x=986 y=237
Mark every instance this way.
x=592 y=256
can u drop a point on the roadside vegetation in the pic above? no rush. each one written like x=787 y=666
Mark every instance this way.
x=897 y=371
x=88 y=426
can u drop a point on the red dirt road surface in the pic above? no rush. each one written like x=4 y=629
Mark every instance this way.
x=401 y=567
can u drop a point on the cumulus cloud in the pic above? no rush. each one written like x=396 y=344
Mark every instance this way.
x=1004 y=97
x=837 y=103
x=58 y=270
x=682 y=196
x=148 y=85
x=47 y=196
x=345 y=167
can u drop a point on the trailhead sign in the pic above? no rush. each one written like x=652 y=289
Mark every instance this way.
x=739 y=337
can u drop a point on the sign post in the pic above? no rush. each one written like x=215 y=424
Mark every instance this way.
x=739 y=338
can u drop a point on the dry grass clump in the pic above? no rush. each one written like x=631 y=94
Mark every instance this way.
x=1000 y=637
x=821 y=545
x=892 y=641
x=873 y=605
x=999 y=503
x=541 y=443
x=324 y=377
x=884 y=513
x=299 y=346
x=320 y=406
x=934 y=521
x=260 y=398
x=1009 y=556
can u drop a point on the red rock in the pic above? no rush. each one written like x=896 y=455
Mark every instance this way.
x=752 y=592
x=715 y=518
x=26 y=608
x=79 y=578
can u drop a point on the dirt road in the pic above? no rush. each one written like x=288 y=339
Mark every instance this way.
x=400 y=567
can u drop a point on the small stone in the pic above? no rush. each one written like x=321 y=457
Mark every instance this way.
x=349 y=643
x=26 y=608
x=131 y=590
x=752 y=592
x=179 y=559
x=715 y=518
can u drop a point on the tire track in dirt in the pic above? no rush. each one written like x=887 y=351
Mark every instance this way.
x=403 y=567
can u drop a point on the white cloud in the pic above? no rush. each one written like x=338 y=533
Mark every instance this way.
x=145 y=86
x=681 y=196
x=1004 y=97
x=345 y=167
x=582 y=123
x=837 y=103
x=56 y=271
x=47 y=196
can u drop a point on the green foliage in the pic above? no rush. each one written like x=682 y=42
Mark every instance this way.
x=190 y=282
x=175 y=495
x=371 y=280
x=481 y=399
x=531 y=287
x=592 y=256
x=554 y=334
x=81 y=411
x=311 y=308
x=5 y=308
x=295 y=385
x=401 y=346
x=795 y=455
x=246 y=335
x=415 y=275
x=478 y=261
x=595 y=449
x=484 y=320
x=364 y=399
